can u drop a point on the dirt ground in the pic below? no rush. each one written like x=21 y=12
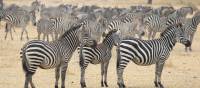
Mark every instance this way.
x=182 y=70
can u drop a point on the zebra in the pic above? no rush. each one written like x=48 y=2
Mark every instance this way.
x=48 y=55
x=45 y=26
x=129 y=22
x=190 y=27
x=17 y=18
x=97 y=54
x=62 y=24
x=154 y=23
x=148 y=52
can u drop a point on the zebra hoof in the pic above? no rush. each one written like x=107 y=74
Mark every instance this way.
x=102 y=84
x=121 y=85
x=56 y=86
x=106 y=84
x=158 y=85
x=83 y=85
x=62 y=86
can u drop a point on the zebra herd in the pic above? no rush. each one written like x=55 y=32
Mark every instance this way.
x=72 y=26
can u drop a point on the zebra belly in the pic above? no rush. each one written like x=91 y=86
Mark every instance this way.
x=142 y=63
x=95 y=61
x=49 y=65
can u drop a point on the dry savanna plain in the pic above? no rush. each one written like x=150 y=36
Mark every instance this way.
x=182 y=70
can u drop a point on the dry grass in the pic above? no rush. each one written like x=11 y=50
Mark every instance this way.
x=181 y=70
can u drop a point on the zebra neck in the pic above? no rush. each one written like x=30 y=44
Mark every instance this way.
x=108 y=43
x=69 y=41
x=170 y=42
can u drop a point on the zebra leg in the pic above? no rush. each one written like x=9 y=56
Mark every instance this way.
x=153 y=35
x=28 y=79
x=191 y=39
x=39 y=36
x=6 y=35
x=105 y=74
x=11 y=34
x=121 y=65
x=52 y=37
x=48 y=37
x=82 y=81
x=31 y=82
x=63 y=74
x=44 y=36
x=22 y=34
x=149 y=34
x=102 y=74
x=26 y=34
x=158 y=73
x=57 y=75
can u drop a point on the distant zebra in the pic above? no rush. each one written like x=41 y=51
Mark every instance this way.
x=100 y=53
x=62 y=24
x=154 y=23
x=45 y=27
x=47 y=55
x=19 y=18
x=190 y=27
x=126 y=29
x=148 y=52
x=129 y=22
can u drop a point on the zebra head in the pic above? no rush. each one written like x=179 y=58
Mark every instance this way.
x=36 y=5
x=112 y=36
x=33 y=17
x=175 y=33
x=85 y=37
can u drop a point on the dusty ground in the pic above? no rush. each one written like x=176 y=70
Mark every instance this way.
x=182 y=70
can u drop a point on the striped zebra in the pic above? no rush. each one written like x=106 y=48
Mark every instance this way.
x=190 y=27
x=96 y=28
x=154 y=23
x=45 y=27
x=17 y=18
x=100 y=53
x=62 y=24
x=157 y=23
x=130 y=23
x=47 y=55
x=129 y=28
x=148 y=52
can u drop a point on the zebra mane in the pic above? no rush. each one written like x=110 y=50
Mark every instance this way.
x=169 y=28
x=110 y=33
x=72 y=28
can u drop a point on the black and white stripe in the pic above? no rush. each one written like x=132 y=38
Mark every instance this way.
x=47 y=55
x=100 y=53
x=18 y=18
x=190 y=27
x=148 y=52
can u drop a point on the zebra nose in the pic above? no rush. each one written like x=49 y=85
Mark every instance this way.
x=188 y=43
